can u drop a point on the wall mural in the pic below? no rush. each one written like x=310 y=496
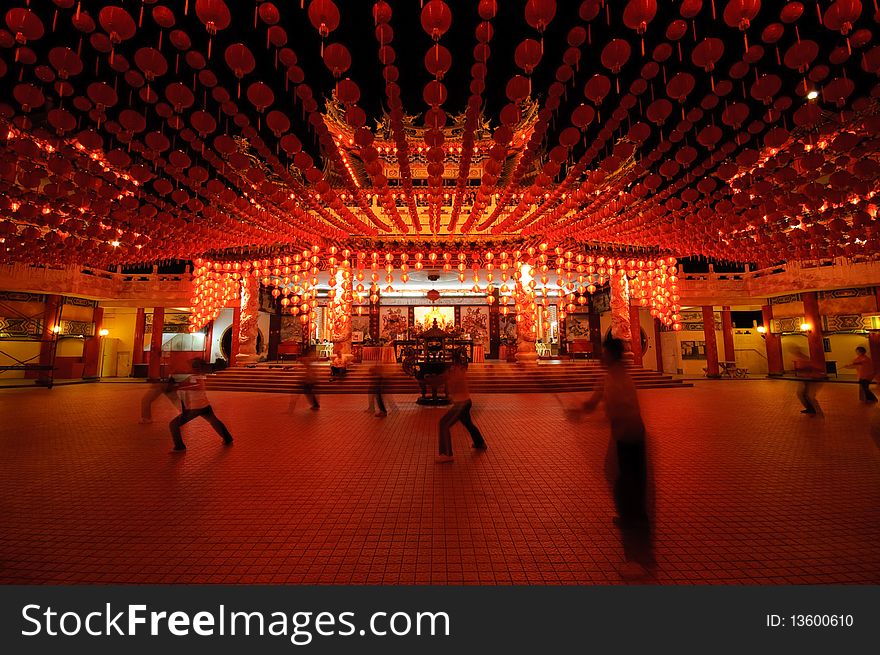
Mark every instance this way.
x=475 y=321
x=291 y=328
x=173 y=323
x=845 y=323
x=393 y=321
x=15 y=327
x=508 y=330
x=577 y=326
x=361 y=324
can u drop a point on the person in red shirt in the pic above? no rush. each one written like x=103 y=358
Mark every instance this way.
x=194 y=403
x=865 y=371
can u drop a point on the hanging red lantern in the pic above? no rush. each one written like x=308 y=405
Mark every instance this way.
x=636 y=16
x=438 y=61
x=527 y=55
x=436 y=18
x=841 y=15
x=540 y=13
x=215 y=16
x=337 y=59
x=324 y=16
x=740 y=13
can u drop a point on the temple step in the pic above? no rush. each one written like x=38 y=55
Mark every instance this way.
x=490 y=378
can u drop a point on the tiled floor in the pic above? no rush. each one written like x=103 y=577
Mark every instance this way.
x=747 y=491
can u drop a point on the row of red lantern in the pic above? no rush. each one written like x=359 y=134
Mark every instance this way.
x=484 y=32
x=707 y=60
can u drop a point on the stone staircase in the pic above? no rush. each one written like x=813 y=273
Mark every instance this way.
x=546 y=377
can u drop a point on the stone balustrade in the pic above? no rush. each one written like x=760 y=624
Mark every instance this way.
x=751 y=287
x=123 y=289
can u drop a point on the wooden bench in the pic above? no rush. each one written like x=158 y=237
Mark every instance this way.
x=580 y=347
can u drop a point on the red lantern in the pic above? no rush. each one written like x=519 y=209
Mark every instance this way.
x=539 y=13
x=324 y=16
x=436 y=18
x=337 y=59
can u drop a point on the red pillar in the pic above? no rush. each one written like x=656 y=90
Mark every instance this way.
x=874 y=343
x=209 y=338
x=155 y=369
x=51 y=318
x=814 y=336
x=236 y=335
x=658 y=345
x=711 y=342
x=137 y=357
x=635 y=328
x=773 y=343
x=727 y=334
x=92 y=346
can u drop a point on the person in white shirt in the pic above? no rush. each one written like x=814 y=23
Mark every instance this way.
x=194 y=403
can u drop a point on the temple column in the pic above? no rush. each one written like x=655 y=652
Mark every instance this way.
x=209 y=338
x=140 y=322
x=235 y=335
x=814 y=335
x=711 y=342
x=92 y=346
x=154 y=372
x=635 y=328
x=727 y=335
x=620 y=320
x=658 y=345
x=773 y=343
x=494 y=326
x=248 y=327
x=526 y=328
x=595 y=324
x=48 y=336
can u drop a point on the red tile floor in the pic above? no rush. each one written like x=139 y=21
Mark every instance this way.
x=747 y=491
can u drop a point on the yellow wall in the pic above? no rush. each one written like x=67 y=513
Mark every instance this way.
x=22 y=350
x=120 y=323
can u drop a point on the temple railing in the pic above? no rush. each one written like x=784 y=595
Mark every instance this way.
x=135 y=289
x=751 y=287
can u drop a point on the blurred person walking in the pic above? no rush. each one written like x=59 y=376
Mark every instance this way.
x=457 y=387
x=618 y=391
x=377 y=384
x=628 y=447
x=811 y=380
x=194 y=403
x=864 y=367
x=310 y=381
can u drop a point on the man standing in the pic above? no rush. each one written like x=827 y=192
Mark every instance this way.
x=194 y=403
